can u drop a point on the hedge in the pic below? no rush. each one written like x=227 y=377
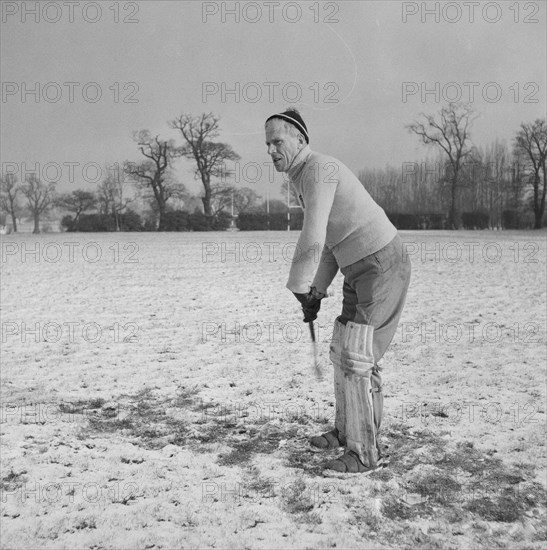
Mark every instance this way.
x=176 y=220
x=417 y=221
x=258 y=221
x=475 y=220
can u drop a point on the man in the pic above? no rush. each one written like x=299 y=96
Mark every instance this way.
x=342 y=220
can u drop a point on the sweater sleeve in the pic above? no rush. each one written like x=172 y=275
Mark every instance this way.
x=327 y=270
x=318 y=188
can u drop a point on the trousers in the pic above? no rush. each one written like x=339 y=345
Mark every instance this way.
x=374 y=295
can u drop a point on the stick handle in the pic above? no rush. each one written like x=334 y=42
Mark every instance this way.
x=317 y=369
x=312 y=331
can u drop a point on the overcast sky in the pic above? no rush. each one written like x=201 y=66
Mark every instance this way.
x=350 y=62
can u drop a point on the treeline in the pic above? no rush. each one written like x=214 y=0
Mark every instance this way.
x=260 y=221
x=180 y=220
x=112 y=206
x=493 y=192
x=465 y=186
x=175 y=220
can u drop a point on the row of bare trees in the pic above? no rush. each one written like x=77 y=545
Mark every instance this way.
x=210 y=159
x=463 y=177
x=39 y=197
x=153 y=177
x=110 y=198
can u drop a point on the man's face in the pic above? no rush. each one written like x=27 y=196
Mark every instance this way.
x=282 y=147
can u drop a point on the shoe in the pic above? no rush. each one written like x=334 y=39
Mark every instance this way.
x=350 y=463
x=326 y=441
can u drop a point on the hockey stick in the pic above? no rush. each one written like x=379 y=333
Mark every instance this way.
x=316 y=367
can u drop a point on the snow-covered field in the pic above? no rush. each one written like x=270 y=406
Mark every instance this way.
x=158 y=390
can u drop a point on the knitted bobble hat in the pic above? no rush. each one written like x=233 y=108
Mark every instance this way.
x=294 y=118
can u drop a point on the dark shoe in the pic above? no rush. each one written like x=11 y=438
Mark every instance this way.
x=349 y=463
x=326 y=441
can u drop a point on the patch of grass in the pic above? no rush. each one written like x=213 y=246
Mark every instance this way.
x=405 y=447
x=365 y=514
x=85 y=523
x=81 y=406
x=185 y=396
x=236 y=457
x=438 y=486
x=497 y=509
x=296 y=498
x=506 y=503
x=394 y=508
x=12 y=481
x=312 y=464
x=383 y=474
x=147 y=422
x=110 y=425
x=259 y=484
x=460 y=481
x=265 y=441
x=469 y=459
x=312 y=518
x=533 y=494
x=541 y=533
x=205 y=406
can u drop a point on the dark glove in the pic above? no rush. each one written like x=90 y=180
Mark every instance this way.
x=311 y=304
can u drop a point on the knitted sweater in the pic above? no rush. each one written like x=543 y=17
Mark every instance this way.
x=342 y=223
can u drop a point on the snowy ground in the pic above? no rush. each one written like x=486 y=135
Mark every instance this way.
x=157 y=392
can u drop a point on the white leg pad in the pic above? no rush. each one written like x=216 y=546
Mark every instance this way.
x=339 y=379
x=357 y=366
x=357 y=351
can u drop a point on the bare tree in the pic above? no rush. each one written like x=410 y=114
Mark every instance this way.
x=79 y=201
x=210 y=157
x=517 y=180
x=40 y=198
x=531 y=144
x=221 y=198
x=245 y=199
x=493 y=181
x=154 y=173
x=451 y=133
x=112 y=194
x=8 y=197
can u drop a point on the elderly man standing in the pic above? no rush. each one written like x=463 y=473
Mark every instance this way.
x=354 y=234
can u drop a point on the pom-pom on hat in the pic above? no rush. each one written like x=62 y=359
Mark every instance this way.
x=294 y=118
